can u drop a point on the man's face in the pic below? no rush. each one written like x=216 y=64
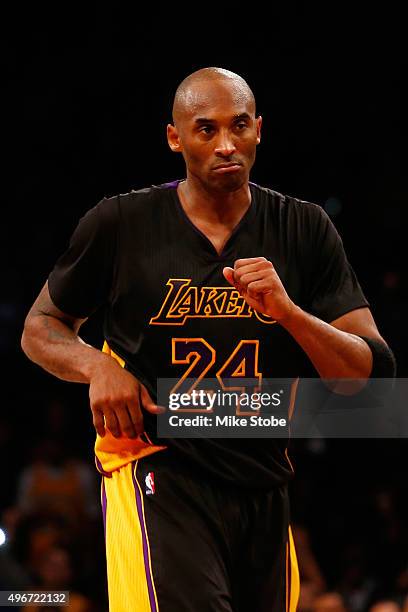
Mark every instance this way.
x=217 y=133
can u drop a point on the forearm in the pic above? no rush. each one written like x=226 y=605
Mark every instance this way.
x=57 y=348
x=334 y=353
x=51 y=340
x=337 y=350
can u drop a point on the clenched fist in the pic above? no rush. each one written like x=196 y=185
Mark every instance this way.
x=259 y=284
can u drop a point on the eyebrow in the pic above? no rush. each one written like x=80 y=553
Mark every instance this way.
x=201 y=120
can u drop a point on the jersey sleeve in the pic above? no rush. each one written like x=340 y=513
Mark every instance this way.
x=333 y=288
x=81 y=279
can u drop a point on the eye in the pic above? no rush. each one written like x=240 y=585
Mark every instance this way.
x=241 y=125
x=207 y=129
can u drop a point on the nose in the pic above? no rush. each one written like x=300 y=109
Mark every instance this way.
x=225 y=145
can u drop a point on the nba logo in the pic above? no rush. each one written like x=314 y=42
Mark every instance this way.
x=149 y=480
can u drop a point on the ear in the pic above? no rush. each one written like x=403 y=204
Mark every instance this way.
x=173 y=138
x=258 y=129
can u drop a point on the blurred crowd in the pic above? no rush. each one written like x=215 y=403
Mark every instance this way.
x=50 y=519
x=349 y=509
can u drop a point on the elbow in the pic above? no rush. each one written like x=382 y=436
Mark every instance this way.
x=381 y=380
x=24 y=343
x=383 y=360
x=346 y=386
x=26 y=340
x=379 y=364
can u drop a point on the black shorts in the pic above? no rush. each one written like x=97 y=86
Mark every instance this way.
x=196 y=545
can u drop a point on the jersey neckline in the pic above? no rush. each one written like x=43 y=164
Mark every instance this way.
x=198 y=234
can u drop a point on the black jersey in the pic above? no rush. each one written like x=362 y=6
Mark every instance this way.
x=160 y=282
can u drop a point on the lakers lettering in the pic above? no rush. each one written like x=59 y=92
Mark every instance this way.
x=184 y=301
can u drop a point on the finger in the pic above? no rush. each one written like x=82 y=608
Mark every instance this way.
x=229 y=275
x=261 y=286
x=112 y=423
x=148 y=403
x=125 y=422
x=98 y=422
x=259 y=266
x=239 y=263
x=251 y=277
x=135 y=413
x=255 y=295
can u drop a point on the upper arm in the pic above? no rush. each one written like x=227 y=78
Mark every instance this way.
x=44 y=306
x=359 y=322
x=82 y=278
x=331 y=286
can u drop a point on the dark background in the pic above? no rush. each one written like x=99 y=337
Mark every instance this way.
x=84 y=107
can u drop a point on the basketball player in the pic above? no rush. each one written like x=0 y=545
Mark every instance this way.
x=207 y=275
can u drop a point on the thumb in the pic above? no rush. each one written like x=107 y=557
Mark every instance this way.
x=229 y=275
x=147 y=402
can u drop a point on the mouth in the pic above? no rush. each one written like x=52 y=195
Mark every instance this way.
x=227 y=168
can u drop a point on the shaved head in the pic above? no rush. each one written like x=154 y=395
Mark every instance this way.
x=197 y=86
x=216 y=130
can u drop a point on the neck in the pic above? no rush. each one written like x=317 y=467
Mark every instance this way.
x=214 y=206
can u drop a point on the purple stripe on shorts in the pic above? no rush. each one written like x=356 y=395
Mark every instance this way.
x=104 y=506
x=139 y=505
x=100 y=468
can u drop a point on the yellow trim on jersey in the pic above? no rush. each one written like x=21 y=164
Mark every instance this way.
x=113 y=453
x=292 y=400
x=292 y=575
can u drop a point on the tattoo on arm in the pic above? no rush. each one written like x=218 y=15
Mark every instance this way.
x=51 y=317
x=56 y=334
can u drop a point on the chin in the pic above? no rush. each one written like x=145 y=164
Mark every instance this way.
x=229 y=183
